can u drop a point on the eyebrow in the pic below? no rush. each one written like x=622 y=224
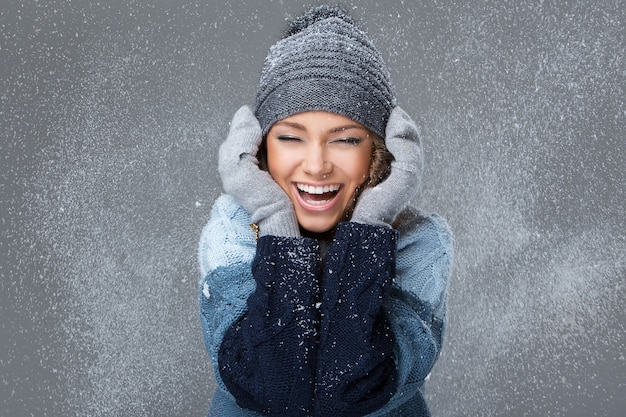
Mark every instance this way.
x=346 y=127
x=336 y=129
x=294 y=125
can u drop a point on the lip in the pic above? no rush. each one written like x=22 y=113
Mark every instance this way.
x=316 y=207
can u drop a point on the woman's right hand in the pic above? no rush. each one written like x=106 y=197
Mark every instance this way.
x=252 y=187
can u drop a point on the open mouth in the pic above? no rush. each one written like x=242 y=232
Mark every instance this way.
x=318 y=195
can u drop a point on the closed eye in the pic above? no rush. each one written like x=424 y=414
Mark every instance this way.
x=348 y=141
x=288 y=138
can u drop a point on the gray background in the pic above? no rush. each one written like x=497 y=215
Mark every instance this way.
x=110 y=117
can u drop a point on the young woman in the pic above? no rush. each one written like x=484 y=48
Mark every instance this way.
x=323 y=293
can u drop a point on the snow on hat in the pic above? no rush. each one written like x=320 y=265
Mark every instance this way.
x=325 y=62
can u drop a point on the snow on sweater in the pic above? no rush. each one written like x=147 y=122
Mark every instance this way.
x=285 y=336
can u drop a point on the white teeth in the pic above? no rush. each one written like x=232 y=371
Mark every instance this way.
x=318 y=203
x=317 y=190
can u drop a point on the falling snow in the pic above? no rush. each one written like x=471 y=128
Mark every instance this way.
x=111 y=115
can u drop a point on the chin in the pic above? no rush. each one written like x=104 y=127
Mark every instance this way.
x=316 y=225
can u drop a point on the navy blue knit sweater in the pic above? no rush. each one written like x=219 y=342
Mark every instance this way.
x=313 y=339
x=315 y=342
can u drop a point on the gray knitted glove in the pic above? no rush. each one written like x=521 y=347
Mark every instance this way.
x=252 y=187
x=381 y=204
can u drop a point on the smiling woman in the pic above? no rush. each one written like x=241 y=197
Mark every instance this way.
x=336 y=306
x=320 y=160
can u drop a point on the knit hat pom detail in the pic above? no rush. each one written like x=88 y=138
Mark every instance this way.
x=325 y=63
x=317 y=14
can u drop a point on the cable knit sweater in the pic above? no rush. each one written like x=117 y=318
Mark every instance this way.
x=354 y=335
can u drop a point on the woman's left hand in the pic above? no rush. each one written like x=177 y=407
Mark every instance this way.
x=381 y=204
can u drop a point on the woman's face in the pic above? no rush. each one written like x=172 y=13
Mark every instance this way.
x=319 y=159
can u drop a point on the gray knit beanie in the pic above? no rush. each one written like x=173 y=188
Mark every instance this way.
x=325 y=62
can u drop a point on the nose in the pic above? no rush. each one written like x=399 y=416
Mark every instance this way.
x=316 y=163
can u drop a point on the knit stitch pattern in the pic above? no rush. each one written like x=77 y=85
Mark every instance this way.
x=329 y=65
x=356 y=363
x=267 y=360
x=415 y=303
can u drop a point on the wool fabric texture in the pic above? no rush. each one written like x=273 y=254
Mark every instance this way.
x=293 y=334
x=415 y=305
x=325 y=63
x=271 y=209
x=267 y=360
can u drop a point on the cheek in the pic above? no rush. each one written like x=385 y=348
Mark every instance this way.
x=361 y=166
x=272 y=158
x=278 y=164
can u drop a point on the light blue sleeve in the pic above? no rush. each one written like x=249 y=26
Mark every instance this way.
x=226 y=249
x=417 y=304
x=227 y=238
